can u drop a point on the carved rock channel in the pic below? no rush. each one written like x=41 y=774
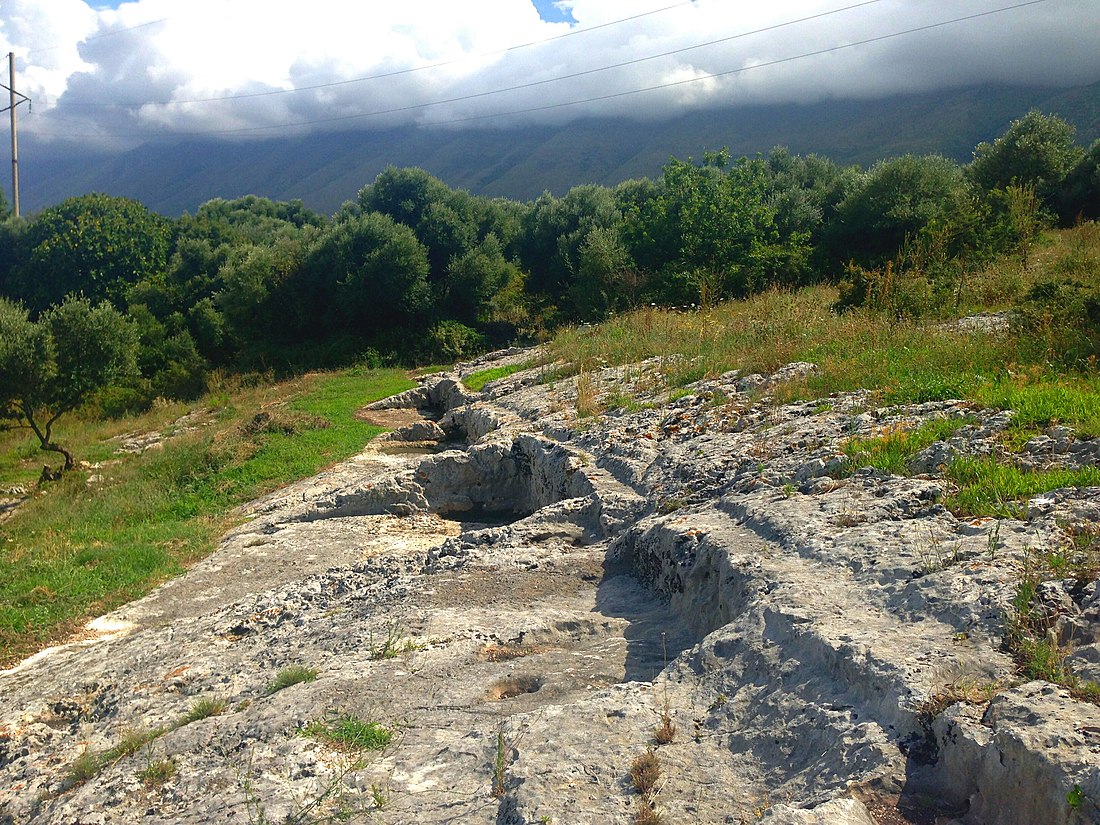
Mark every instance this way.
x=525 y=600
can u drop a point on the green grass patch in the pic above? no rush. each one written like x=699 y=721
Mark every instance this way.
x=157 y=773
x=893 y=451
x=988 y=487
x=1039 y=400
x=204 y=707
x=350 y=732
x=475 y=382
x=76 y=549
x=293 y=675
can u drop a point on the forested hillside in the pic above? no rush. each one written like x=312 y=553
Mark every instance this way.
x=111 y=305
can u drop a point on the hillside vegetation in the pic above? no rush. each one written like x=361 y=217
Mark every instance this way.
x=724 y=264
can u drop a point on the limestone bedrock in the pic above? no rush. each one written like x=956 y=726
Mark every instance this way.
x=529 y=602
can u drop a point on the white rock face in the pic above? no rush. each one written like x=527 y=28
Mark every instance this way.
x=529 y=603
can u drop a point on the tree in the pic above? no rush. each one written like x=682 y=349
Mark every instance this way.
x=554 y=230
x=898 y=200
x=50 y=367
x=94 y=245
x=12 y=253
x=475 y=279
x=403 y=194
x=375 y=270
x=607 y=280
x=1036 y=150
x=1080 y=194
x=710 y=232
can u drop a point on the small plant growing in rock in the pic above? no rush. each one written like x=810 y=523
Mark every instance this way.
x=85 y=767
x=132 y=740
x=1075 y=797
x=500 y=765
x=966 y=690
x=205 y=707
x=646 y=814
x=666 y=731
x=392 y=645
x=157 y=773
x=993 y=540
x=645 y=772
x=292 y=675
x=350 y=733
x=379 y=797
x=91 y=762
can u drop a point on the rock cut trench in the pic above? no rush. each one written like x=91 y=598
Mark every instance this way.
x=525 y=602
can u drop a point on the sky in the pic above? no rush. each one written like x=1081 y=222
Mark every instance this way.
x=119 y=73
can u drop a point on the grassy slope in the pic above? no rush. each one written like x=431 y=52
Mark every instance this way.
x=78 y=549
x=1025 y=370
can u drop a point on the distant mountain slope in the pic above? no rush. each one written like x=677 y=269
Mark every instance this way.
x=326 y=170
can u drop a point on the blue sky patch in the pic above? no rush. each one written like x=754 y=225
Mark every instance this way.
x=549 y=11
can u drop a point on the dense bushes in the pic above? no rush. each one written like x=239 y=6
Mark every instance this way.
x=415 y=270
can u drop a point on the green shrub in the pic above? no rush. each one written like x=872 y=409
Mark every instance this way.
x=450 y=341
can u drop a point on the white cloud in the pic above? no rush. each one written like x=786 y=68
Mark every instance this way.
x=164 y=53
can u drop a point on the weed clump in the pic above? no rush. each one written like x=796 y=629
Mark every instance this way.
x=645 y=773
x=391 y=644
x=666 y=731
x=292 y=675
x=1032 y=627
x=205 y=707
x=349 y=732
x=500 y=765
x=157 y=773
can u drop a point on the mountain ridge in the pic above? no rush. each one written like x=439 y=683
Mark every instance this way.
x=326 y=170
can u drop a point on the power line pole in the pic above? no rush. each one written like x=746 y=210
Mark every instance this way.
x=12 y=95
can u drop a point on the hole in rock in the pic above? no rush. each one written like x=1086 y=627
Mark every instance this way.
x=499 y=483
x=478 y=517
x=512 y=687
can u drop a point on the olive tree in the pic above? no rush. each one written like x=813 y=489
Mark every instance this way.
x=1037 y=150
x=95 y=245
x=51 y=366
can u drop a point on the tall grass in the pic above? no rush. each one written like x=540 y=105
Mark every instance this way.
x=901 y=361
x=77 y=549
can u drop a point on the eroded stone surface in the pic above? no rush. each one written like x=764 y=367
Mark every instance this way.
x=531 y=601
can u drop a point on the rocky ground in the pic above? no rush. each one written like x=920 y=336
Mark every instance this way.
x=533 y=607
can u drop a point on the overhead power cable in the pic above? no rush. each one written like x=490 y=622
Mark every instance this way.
x=396 y=72
x=558 y=78
x=578 y=102
x=112 y=33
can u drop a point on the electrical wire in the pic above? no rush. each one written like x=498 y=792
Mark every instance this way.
x=98 y=36
x=532 y=83
x=397 y=72
x=593 y=99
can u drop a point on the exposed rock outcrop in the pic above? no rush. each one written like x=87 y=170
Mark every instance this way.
x=530 y=602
